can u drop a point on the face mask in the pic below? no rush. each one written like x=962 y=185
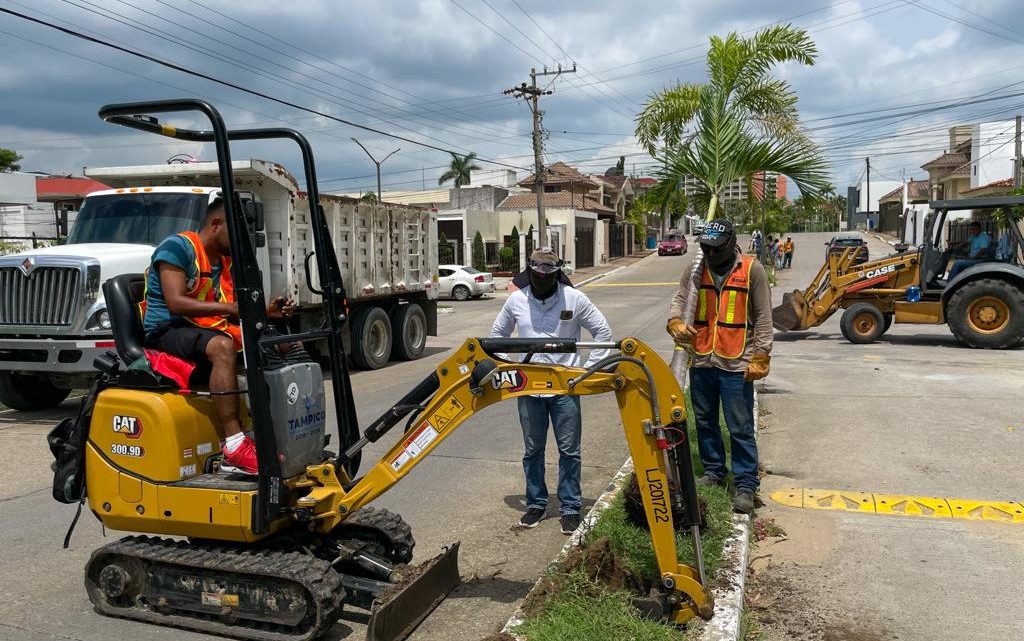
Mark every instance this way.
x=543 y=285
x=723 y=257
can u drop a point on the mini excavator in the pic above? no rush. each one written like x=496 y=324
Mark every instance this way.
x=277 y=557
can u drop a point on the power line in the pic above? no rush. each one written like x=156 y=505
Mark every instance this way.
x=232 y=85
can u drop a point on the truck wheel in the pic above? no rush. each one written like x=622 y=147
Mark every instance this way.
x=460 y=292
x=888 y=322
x=408 y=332
x=371 y=338
x=987 y=313
x=862 y=323
x=26 y=393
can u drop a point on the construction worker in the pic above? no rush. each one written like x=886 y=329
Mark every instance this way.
x=731 y=340
x=977 y=247
x=191 y=313
x=549 y=308
x=787 y=250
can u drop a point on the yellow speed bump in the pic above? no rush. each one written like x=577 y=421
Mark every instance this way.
x=901 y=505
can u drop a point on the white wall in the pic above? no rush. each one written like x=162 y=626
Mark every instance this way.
x=879 y=188
x=22 y=220
x=17 y=188
x=492 y=177
x=992 y=151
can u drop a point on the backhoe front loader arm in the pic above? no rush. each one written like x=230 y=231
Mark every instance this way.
x=651 y=406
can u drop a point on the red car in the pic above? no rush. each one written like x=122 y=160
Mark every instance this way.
x=672 y=245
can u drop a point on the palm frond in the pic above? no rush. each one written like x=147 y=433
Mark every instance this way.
x=665 y=115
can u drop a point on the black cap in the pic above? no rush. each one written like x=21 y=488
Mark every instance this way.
x=716 y=233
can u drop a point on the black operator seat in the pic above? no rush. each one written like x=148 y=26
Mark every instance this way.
x=123 y=294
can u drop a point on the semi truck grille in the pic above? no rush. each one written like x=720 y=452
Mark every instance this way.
x=47 y=296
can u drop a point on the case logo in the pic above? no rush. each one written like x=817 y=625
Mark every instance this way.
x=513 y=380
x=130 y=426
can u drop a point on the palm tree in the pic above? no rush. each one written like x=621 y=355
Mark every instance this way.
x=741 y=121
x=459 y=169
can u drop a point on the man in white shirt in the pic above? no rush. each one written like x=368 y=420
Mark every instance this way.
x=550 y=308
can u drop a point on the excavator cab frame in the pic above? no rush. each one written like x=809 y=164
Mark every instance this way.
x=249 y=290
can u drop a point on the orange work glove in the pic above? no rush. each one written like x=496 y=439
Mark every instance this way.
x=759 y=365
x=682 y=333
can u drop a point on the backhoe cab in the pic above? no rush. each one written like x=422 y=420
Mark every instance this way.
x=983 y=305
x=278 y=556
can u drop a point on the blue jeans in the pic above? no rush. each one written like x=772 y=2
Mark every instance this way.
x=960 y=265
x=564 y=413
x=709 y=387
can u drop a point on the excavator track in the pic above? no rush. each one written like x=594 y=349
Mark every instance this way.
x=256 y=594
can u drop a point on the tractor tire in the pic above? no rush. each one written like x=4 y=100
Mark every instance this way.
x=28 y=393
x=460 y=292
x=987 y=313
x=862 y=323
x=371 y=338
x=408 y=332
x=888 y=322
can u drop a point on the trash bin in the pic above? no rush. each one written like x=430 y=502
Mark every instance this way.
x=652 y=242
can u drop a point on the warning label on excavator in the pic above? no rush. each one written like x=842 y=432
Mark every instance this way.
x=414 y=444
x=444 y=415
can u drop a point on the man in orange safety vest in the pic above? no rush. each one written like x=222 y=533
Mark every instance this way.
x=731 y=342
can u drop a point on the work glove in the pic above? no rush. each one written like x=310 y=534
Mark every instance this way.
x=758 y=367
x=682 y=333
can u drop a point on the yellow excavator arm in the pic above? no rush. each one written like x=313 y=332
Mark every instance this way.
x=652 y=410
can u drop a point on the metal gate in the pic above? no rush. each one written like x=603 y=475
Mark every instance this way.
x=617 y=240
x=584 y=242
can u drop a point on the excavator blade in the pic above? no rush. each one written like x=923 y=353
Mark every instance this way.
x=396 y=614
x=789 y=315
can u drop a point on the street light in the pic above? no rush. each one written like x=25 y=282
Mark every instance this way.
x=380 y=198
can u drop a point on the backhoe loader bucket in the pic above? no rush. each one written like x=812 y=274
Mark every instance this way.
x=789 y=315
x=396 y=614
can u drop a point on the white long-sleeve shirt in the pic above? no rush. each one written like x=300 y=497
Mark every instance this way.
x=561 y=315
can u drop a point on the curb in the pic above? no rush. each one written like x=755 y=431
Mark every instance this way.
x=725 y=624
x=602 y=504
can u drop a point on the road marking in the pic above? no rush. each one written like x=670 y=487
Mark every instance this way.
x=673 y=284
x=932 y=507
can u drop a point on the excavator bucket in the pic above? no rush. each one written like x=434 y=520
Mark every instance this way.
x=790 y=314
x=397 y=613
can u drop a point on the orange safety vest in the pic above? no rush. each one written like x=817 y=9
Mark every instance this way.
x=205 y=289
x=721 y=321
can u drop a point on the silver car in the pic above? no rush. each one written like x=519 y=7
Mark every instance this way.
x=462 y=282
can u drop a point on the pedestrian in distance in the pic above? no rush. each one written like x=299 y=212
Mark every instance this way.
x=787 y=250
x=551 y=308
x=731 y=341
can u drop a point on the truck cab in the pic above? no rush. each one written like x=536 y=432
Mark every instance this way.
x=53 y=320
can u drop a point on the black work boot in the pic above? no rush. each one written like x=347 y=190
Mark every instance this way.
x=706 y=479
x=743 y=502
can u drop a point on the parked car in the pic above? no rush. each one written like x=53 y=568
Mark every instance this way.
x=845 y=239
x=672 y=245
x=462 y=282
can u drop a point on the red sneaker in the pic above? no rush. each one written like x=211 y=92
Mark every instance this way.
x=242 y=460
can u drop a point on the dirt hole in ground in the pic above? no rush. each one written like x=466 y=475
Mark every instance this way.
x=601 y=566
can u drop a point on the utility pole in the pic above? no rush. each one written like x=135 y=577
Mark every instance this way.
x=531 y=93
x=1016 y=158
x=380 y=197
x=867 y=203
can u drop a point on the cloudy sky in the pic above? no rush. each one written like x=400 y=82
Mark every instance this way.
x=891 y=78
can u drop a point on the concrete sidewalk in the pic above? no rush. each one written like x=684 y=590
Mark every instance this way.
x=914 y=414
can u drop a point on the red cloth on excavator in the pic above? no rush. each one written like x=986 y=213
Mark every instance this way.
x=177 y=369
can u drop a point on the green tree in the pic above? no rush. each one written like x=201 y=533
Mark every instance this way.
x=739 y=122
x=9 y=160
x=459 y=168
x=369 y=197
x=513 y=242
x=479 y=255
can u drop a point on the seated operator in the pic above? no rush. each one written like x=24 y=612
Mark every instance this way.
x=191 y=313
x=978 y=250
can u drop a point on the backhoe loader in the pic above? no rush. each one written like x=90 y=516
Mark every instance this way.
x=278 y=556
x=983 y=304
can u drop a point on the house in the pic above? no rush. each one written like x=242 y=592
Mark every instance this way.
x=902 y=211
x=978 y=155
x=41 y=206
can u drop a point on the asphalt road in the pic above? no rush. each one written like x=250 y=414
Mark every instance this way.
x=470 y=489
x=915 y=414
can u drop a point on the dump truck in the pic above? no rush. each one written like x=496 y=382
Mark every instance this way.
x=53 y=318
x=983 y=304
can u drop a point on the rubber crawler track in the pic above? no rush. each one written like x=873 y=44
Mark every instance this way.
x=320 y=583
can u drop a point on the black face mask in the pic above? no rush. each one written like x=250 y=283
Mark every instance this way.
x=723 y=257
x=543 y=285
